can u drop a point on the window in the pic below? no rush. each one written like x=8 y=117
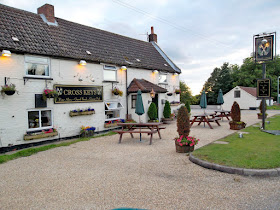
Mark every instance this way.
x=37 y=66
x=39 y=119
x=162 y=78
x=237 y=94
x=133 y=101
x=110 y=73
x=112 y=110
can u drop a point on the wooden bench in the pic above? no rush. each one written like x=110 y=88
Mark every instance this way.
x=136 y=130
x=215 y=119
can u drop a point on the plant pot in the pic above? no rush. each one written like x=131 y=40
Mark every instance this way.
x=184 y=148
x=87 y=134
x=166 y=120
x=9 y=92
x=39 y=136
x=260 y=116
x=116 y=94
x=72 y=114
x=177 y=93
x=169 y=94
x=237 y=125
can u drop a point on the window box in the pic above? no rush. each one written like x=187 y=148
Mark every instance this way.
x=77 y=113
x=40 y=135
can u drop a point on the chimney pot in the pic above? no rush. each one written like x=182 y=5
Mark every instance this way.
x=152 y=36
x=48 y=11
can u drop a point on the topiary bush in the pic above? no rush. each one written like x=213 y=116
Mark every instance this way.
x=183 y=122
x=152 y=111
x=235 y=112
x=167 y=110
x=260 y=107
x=188 y=106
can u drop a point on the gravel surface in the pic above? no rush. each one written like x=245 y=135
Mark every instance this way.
x=102 y=174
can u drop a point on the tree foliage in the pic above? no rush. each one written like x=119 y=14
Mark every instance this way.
x=186 y=94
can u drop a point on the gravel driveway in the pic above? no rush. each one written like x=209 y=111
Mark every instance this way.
x=102 y=174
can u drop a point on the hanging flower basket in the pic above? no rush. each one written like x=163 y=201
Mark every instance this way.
x=177 y=91
x=117 y=91
x=169 y=94
x=48 y=93
x=8 y=89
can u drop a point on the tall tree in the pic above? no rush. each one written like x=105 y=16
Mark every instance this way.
x=221 y=78
x=186 y=94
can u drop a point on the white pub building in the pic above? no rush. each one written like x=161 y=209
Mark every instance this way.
x=83 y=64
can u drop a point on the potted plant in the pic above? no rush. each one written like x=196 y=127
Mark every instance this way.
x=8 y=89
x=152 y=112
x=184 y=143
x=169 y=94
x=78 y=112
x=166 y=113
x=87 y=131
x=177 y=91
x=236 y=123
x=48 y=93
x=117 y=91
x=42 y=134
x=261 y=111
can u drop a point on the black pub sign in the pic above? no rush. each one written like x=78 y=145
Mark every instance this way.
x=264 y=48
x=263 y=88
x=78 y=93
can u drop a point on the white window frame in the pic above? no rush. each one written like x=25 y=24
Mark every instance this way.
x=40 y=128
x=159 y=78
x=26 y=62
x=110 y=68
x=115 y=110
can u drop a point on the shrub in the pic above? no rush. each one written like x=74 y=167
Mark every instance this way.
x=152 y=111
x=183 y=122
x=167 y=110
x=235 y=112
x=188 y=106
x=260 y=107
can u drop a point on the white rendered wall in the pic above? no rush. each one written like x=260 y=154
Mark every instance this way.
x=14 y=109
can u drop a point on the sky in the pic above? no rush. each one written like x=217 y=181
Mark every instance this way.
x=197 y=35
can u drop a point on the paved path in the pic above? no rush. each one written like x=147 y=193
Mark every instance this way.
x=102 y=174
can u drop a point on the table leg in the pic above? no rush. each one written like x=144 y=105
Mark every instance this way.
x=151 y=138
x=217 y=121
x=208 y=123
x=158 y=132
x=201 y=120
x=193 y=120
x=120 y=139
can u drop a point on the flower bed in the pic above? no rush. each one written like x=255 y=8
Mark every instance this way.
x=79 y=112
x=40 y=135
x=113 y=123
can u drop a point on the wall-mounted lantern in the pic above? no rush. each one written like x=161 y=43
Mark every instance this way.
x=152 y=93
x=155 y=71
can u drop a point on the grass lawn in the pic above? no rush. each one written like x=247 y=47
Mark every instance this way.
x=31 y=151
x=273 y=107
x=257 y=149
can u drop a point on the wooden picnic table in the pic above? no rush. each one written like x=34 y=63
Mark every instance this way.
x=205 y=119
x=222 y=113
x=149 y=128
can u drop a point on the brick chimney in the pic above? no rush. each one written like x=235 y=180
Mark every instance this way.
x=48 y=11
x=152 y=36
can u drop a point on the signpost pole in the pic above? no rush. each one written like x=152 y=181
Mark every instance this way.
x=263 y=100
x=278 y=95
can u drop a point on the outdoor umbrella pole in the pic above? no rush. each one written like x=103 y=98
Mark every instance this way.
x=139 y=109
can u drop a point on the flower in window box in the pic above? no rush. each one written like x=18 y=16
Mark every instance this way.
x=8 y=89
x=117 y=91
x=48 y=93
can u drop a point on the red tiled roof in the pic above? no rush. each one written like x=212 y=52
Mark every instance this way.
x=72 y=40
x=145 y=86
x=250 y=90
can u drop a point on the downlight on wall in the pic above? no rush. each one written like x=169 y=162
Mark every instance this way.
x=6 y=53
x=82 y=63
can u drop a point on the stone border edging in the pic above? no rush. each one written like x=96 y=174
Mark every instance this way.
x=232 y=170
